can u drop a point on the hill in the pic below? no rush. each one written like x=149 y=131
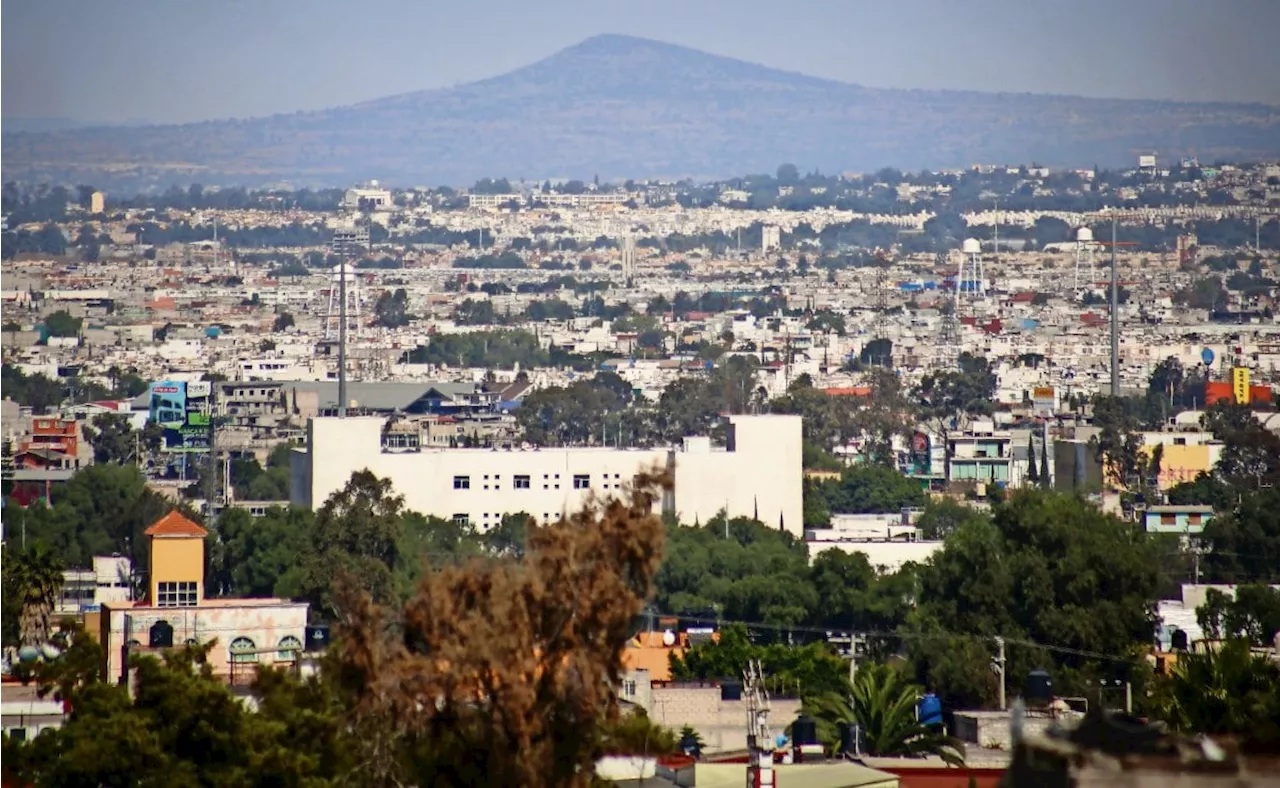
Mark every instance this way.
x=622 y=107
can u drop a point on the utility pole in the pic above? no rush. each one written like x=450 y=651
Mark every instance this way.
x=999 y=666
x=1115 y=316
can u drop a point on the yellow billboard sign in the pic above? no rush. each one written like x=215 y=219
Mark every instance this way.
x=1240 y=384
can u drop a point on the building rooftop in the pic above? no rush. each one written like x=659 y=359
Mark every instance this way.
x=176 y=524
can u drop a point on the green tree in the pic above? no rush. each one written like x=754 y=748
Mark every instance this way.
x=32 y=582
x=62 y=324
x=884 y=704
x=1253 y=614
x=391 y=310
x=1225 y=690
x=36 y=391
x=258 y=556
x=1047 y=568
x=112 y=438
x=283 y=321
x=356 y=535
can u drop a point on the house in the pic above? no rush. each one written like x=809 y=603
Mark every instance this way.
x=1185 y=520
x=176 y=611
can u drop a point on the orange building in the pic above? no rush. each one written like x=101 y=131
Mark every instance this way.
x=53 y=443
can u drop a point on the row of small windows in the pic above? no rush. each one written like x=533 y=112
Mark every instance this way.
x=242 y=649
x=181 y=594
x=581 y=481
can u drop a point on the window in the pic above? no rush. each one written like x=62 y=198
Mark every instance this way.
x=462 y=482
x=520 y=482
x=289 y=649
x=243 y=650
x=18 y=734
x=581 y=481
x=461 y=519
x=176 y=594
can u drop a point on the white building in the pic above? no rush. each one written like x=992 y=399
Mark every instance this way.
x=759 y=474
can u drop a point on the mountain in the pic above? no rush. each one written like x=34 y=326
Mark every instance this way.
x=623 y=107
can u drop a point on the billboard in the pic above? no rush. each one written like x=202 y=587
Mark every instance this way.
x=1044 y=399
x=1147 y=162
x=183 y=410
x=1240 y=384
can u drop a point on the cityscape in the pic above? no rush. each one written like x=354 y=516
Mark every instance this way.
x=696 y=464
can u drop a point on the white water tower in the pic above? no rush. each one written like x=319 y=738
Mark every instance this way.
x=1085 y=261
x=971 y=281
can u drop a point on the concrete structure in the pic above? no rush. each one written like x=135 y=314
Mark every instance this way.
x=247 y=631
x=758 y=474
x=97 y=203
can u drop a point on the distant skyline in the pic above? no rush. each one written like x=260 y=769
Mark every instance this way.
x=174 y=61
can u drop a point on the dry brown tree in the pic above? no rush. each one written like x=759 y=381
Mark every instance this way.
x=501 y=672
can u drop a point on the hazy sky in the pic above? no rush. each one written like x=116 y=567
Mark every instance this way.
x=182 y=60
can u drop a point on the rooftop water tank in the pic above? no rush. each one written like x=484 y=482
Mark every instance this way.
x=1084 y=235
x=213 y=332
x=1039 y=690
x=930 y=710
x=971 y=246
x=804 y=730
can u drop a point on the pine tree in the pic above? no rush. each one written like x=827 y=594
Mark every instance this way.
x=1046 y=480
x=1033 y=473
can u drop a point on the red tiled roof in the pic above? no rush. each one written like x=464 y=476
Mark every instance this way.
x=174 y=524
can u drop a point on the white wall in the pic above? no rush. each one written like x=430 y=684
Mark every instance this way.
x=760 y=475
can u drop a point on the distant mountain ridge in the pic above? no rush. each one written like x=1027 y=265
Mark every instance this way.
x=620 y=107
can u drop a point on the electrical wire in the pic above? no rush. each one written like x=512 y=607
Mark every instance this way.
x=919 y=636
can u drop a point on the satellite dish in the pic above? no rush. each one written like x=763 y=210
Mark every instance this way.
x=668 y=638
x=1207 y=357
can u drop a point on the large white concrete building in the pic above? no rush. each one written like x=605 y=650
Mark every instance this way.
x=758 y=474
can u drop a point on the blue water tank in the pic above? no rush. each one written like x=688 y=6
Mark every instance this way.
x=1028 y=323
x=930 y=710
x=213 y=332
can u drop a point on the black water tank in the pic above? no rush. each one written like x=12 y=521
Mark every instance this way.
x=317 y=637
x=1039 y=689
x=731 y=690
x=1178 y=640
x=161 y=635
x=804 y=730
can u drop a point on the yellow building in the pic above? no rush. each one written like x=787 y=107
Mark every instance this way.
x=245 y=632
x=97 y=203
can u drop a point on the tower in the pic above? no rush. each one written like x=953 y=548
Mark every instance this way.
x=974 y=284
x=1085 y=261
x=770 y=239
x=628 y=259
x=333 y=320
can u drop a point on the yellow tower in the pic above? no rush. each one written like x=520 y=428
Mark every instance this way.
x=176 y=578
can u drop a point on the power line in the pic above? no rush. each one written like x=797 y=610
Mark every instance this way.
x=923 y=636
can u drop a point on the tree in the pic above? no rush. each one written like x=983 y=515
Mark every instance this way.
x=1253 y=614
x=179 y=724
x=391 y=309
x=33 y=580
x=36 y=391
x=356 y=535
x=62 y=324
x=1243 y=543
x=885 y=706
x=283 y=321
x=877 y=351
x=112 y=438
x=1119 y=440
x=1048 y=568
x=1224 y=690
x=546 y=661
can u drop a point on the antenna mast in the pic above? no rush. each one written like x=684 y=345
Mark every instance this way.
x=760 y=745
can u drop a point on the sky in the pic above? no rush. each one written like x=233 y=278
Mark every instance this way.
x=174 y=61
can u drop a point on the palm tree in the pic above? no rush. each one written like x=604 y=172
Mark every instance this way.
x=1228 y=689
x=884 y=704
x=35 y=578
